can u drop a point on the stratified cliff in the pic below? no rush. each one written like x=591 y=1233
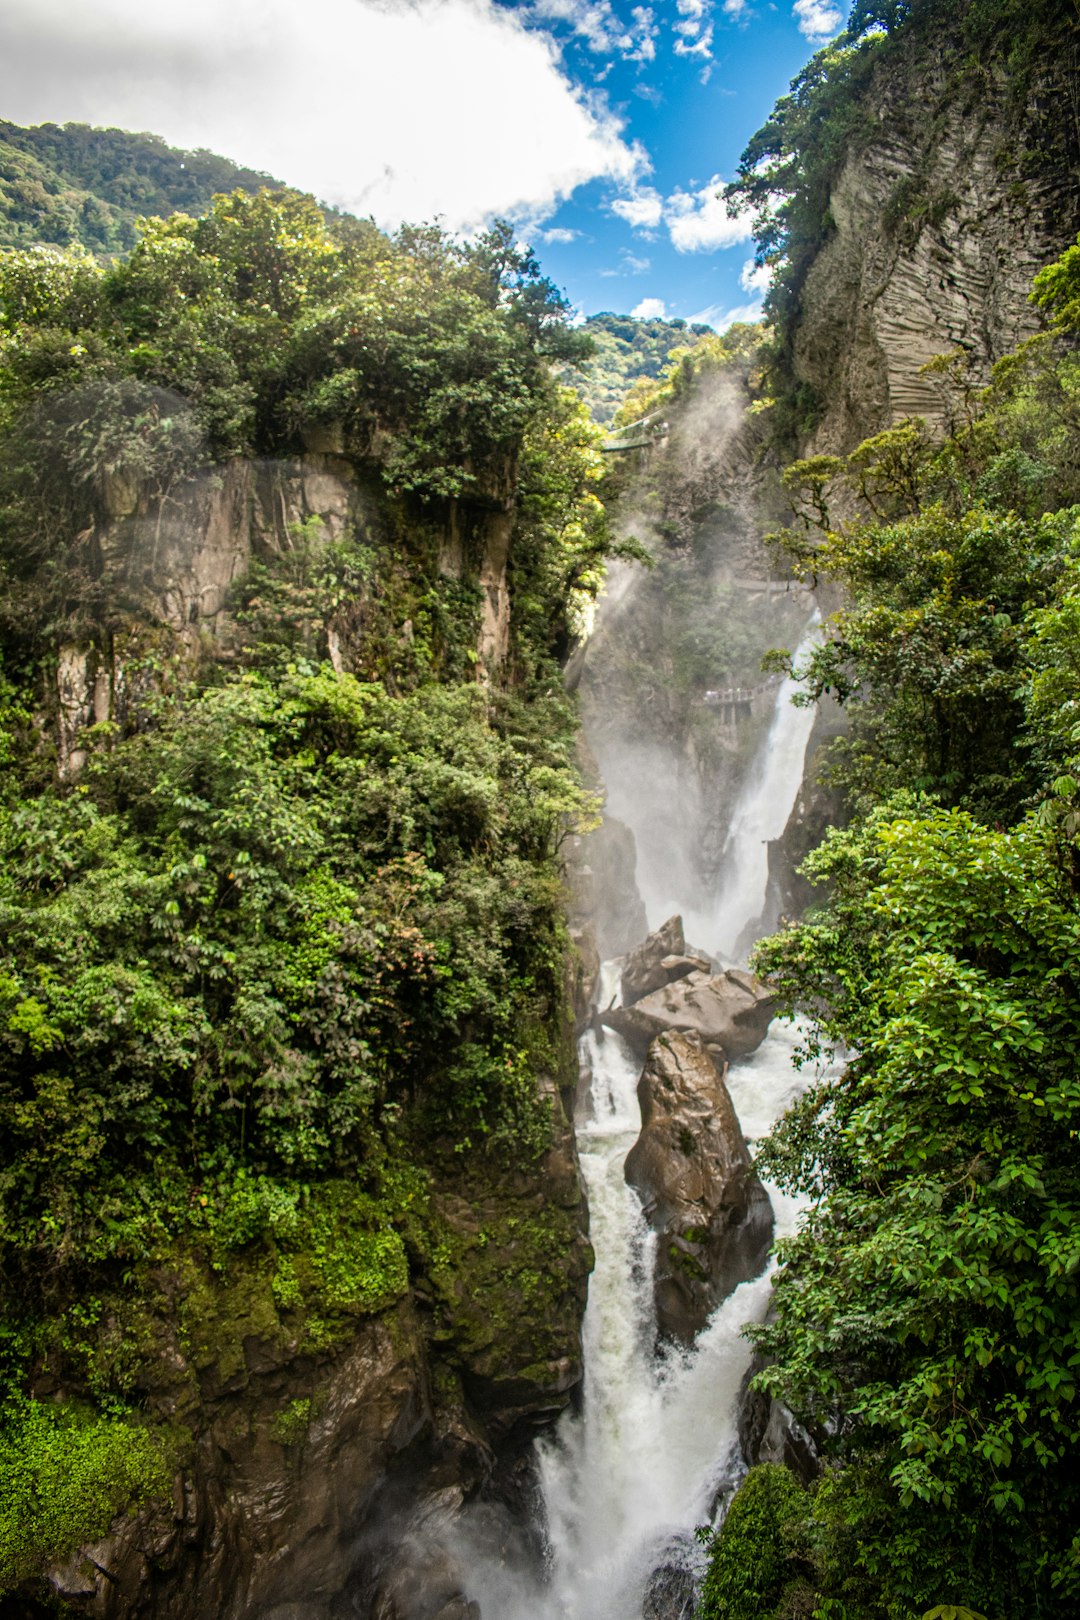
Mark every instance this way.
x=922 y=170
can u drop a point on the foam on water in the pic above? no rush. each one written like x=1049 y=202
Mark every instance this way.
x=627 y=1479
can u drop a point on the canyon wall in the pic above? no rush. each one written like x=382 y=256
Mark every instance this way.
x=957 y=186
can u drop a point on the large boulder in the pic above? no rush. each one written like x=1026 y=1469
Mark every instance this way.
x=770 y=1433
x=730 y=1011
x=692 y=1169
x=660 y=959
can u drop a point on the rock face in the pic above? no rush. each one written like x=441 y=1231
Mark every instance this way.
x=659 y=960
x=321 y=1481
x=602 y=867
x=768 y=1432
x=730 y=1012
x=692 y=1168
x=258 y=1522
x=942 y=216
x=171 y=565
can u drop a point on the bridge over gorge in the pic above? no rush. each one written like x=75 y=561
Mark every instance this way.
x=645 y=434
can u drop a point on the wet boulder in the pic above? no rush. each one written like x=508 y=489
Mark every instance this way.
x=661 y=958
x=730 y=1011
x=692 y=1168
x=427 y=1584
x=769 y=1432
x=671 y=1592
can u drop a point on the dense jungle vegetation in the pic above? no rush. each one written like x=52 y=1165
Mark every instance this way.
x=927 y=1328
x=627 y=350
x=69 y=184
x=294 y=931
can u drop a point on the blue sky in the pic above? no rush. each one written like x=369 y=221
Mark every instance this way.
x=601 y=127
x=691 y=99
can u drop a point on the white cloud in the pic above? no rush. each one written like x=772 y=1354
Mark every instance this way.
x=698 y=221
x=643 y=210
x=602 y=30
x=650 y=309
x=734 y=8
x=694 y=33
x=719 y=318
x=350 y=99
x=699 y=46
x=636 y=266
x=644 y=33
x=557 y=233
x=594 y=20
x=817 y=19
x=755 y=278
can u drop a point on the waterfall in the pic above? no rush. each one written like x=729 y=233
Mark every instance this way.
x=761 y=813
x=626 y=1480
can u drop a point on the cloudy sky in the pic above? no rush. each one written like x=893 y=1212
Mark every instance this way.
x=602 y=127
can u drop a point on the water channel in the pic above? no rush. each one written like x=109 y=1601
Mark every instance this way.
x=626 y=1479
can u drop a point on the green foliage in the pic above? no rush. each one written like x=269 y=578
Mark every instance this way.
x=940 y=1313
x=252 y=922
x=957 y=575
x=564 y=537
x=271 y=321
x=74 y=184
x=296 y=931
x=926 y=1312
x=688 y=368
x=626 y=352
x=65 y=1476
x=290 y=1425
x=1057 y=290
x=752 y=1562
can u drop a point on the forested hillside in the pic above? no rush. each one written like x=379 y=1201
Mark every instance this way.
x=627 y=351
x=71 y=183
x=284 y=994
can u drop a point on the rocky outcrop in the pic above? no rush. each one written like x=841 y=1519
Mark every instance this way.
x=424 y=1580
x=309 y=1463
x=659 y=960
x=730 y=1012
x=958 y=187
x=603 y=889
x=168 y=566
x=287 y=1455
x=768 y=1432
x=692 y=1169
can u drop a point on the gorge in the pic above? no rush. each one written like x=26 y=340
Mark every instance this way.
x=397 y=1128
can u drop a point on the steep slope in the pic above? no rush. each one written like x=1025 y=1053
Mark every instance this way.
x=292 y=1228
x=627 y=351
x=74 y=183
x=925 y=167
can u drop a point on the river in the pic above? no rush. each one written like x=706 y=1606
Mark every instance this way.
x=627 y=1478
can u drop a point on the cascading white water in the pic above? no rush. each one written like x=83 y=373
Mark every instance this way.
x=761 y=813
x=626 y=1481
